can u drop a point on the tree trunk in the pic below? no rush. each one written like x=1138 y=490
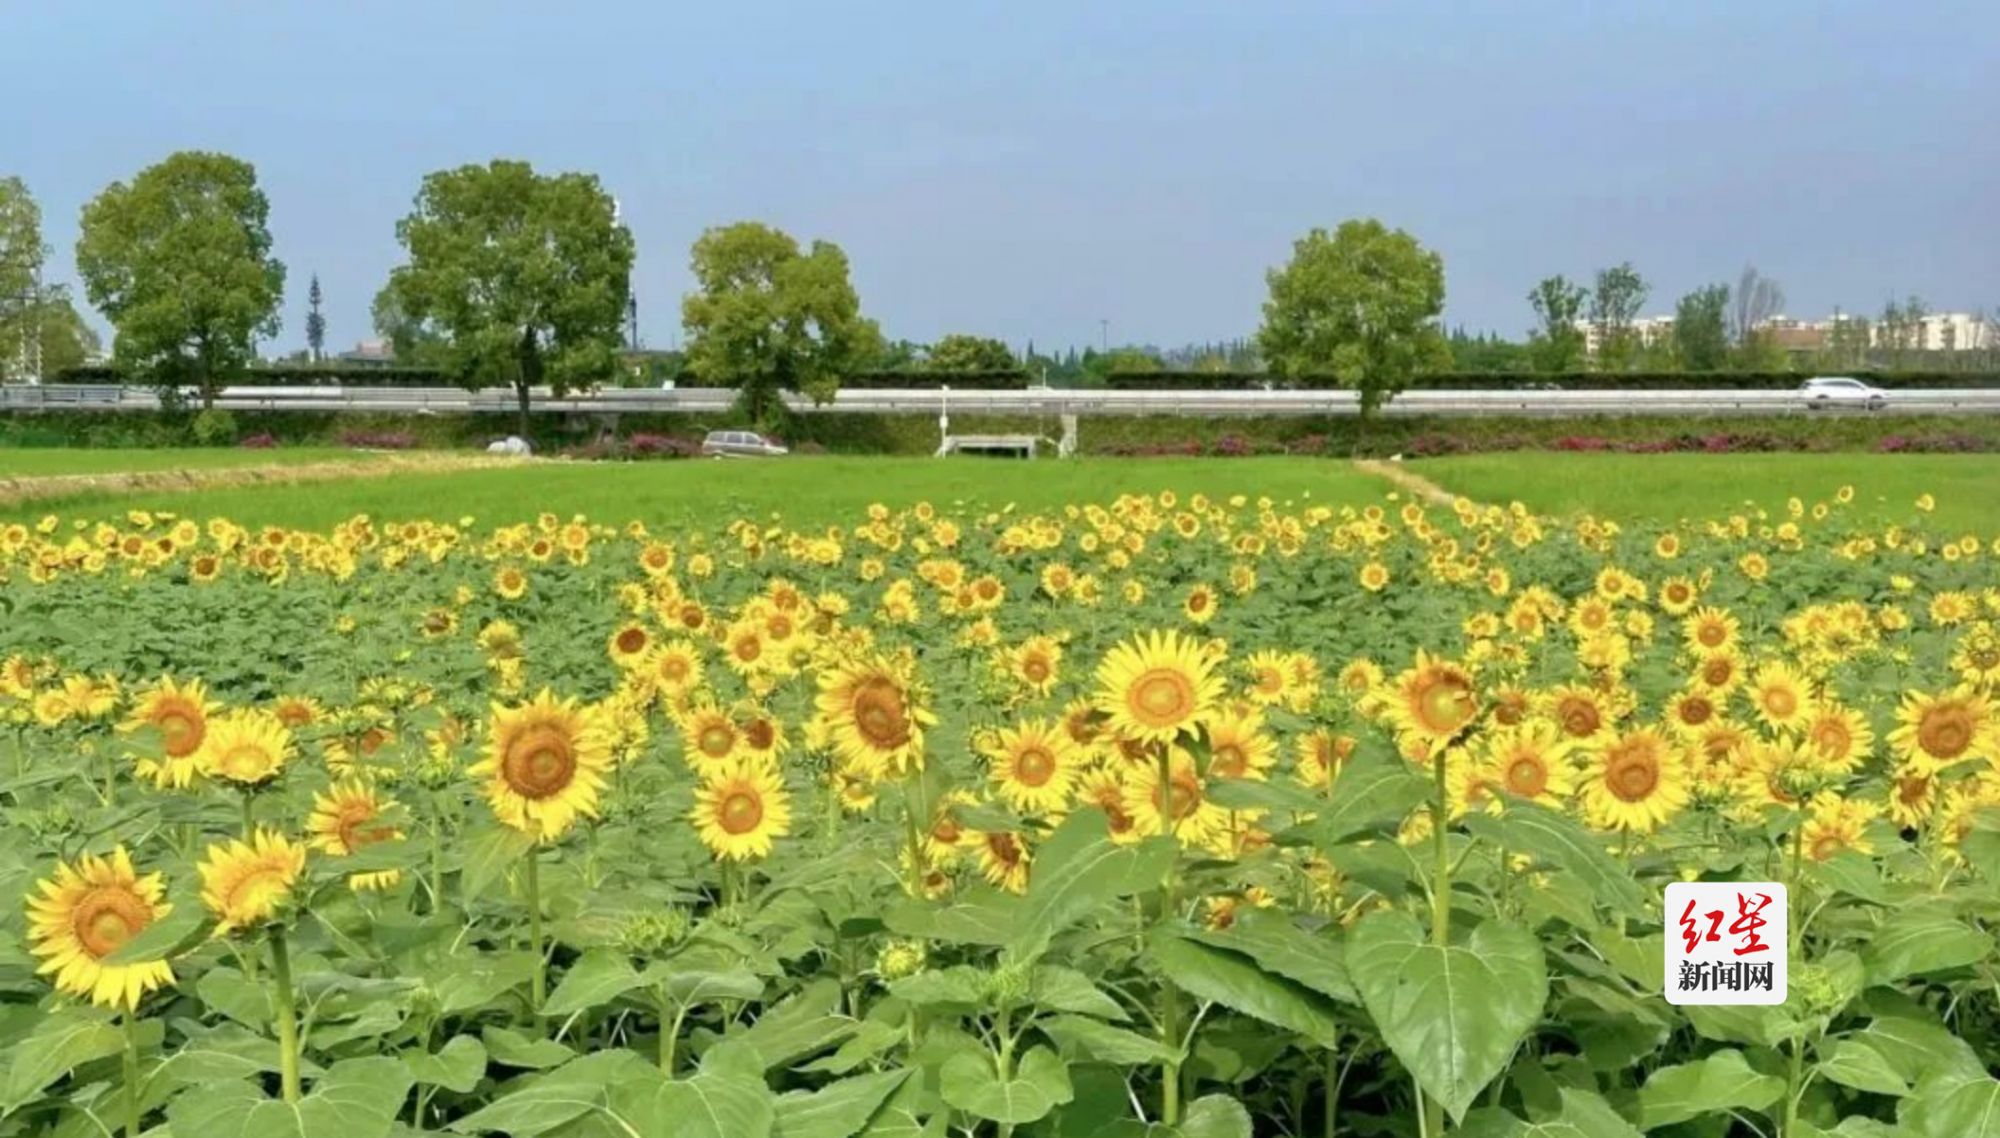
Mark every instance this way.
x=531 y=374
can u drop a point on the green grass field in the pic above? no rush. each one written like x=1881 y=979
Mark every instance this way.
x=816 y=491
x=1664 y=487
x=32 y=462
x=804 y=491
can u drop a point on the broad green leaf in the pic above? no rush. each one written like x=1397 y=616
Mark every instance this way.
x=470 y=982
x=1953 y=1105
x=704 y=987
x=544 y=1102
x=458 y=1065
x=490 y=851
x=960 y=985
x=712 y=1104
x=512 y=1049
x=1038 y=1084
x=804 y=1023
x=1853 y=1062
x=1921 y=939
x=66 y=1039
x=1720 y=1082
x=1102 y=1042
x=356 y=1098
x=1237 y=983
x=1276 y=942
x=1555 y=839
x=1057 y=989
x=1917 y=1049
x=982 y=916
x=597 y=978
x=1076 y=871
x=1211 y=1116
x=1376 y=789
x=1453 y=1015
x=235 y=995
x=837 y=1110
x=223 y=1053
x=1581 y=1115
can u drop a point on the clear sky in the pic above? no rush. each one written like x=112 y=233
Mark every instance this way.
x=1028 y=169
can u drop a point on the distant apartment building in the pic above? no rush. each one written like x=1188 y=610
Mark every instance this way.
x=1938 y=332
x=1649 y=330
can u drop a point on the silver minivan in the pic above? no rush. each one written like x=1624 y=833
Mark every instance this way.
x=740 y=444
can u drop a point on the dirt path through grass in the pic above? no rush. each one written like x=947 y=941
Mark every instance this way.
x=17 y=491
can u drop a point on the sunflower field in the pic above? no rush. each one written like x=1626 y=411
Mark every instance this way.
x=1164 y=816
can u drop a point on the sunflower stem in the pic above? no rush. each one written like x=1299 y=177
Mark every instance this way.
x=912 y=795
x=1170 y=1070
x=249 y=817
x=132 y=1088
x=1433 y=1120
x=538 y=984
x=1795 y=1076
x=288 y=1015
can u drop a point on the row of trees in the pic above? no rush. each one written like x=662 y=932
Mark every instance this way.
x=41 y=332
x=518 y=279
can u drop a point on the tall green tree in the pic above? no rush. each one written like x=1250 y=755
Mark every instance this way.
x=959 y=352
x=21 y=255
x=523 y=275
x=66 y=340
x=1361 y=305
x=1701 y=328
x=417 y=343
x=1555 y=342
x=1614 y=304
x=315 y=322
x=180 y=261
x=768 y=317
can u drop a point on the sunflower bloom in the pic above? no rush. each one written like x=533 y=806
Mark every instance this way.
x=245 y=883
x=544 y=765
x=740 y=809
x=83 y=914
x=1156 y=686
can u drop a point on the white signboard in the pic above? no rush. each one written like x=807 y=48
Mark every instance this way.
x=1727 y=942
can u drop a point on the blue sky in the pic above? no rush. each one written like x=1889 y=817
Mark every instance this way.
x=1026 y=170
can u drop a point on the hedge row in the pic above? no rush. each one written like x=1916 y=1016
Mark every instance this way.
x=1567 y=381
x=1162 y=380
x=431 y=377
x=1153 y=434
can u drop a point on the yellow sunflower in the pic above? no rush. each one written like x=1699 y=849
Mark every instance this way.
x=1835 y=825
x=86 y=912
x=1781 y=696
x=1531 y=761
x=1432 y=701
x=874 y=715
x=1003 y=860
x=1105 y=790
x=740 y=808
x=1181 y=806
x=179 y=713
x=1036 y=663
x=1840 y=736
x=246 y=748
x=1034 y=766
x=1710 y=631
x=1935 y=731
x=245 y=883
x=674 y=667
x=629 y=644
x=346 y=819
x=1635 y=782
x=1156 y=686
x=1200 y=604
x=1238 y=746
x=710 y=736
x=544 y=765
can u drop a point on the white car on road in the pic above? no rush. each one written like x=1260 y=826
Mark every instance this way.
x=1822 y=392
x=740 y=444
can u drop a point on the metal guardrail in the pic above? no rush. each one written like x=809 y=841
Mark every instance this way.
x=450 y=400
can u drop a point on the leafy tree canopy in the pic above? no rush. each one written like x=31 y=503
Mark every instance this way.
x=523 y=275
x=1360 y=304
x=179 y=259
x=767 y=317
x=959 y=352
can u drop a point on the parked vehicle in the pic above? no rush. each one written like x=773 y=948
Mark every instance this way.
x=740 y=444
x=1824 y=391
